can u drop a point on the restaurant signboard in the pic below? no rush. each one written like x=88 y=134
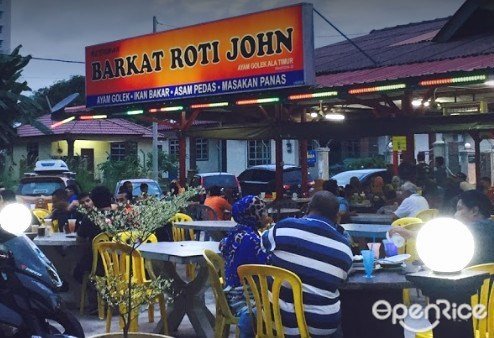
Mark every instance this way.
x=265 y=50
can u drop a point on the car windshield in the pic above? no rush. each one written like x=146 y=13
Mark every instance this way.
x=38 y=187
x=223 y=181
x=344 y=178
x=153 y=189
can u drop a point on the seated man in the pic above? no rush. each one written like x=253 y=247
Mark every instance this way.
x=315 y=248
x=216 y=202
x=412 y=203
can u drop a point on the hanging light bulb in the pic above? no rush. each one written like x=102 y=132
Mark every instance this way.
x=335 y=117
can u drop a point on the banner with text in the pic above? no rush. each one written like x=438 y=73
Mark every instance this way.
x=265 y=50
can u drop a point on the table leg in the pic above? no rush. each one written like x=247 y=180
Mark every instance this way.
x=189 y=299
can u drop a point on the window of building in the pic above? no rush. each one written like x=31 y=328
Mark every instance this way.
x=173 y=147
x=202 y=149
x=32 y=155
x=258 y=152
x=1 y=14
x=117 y=151
x=1 y=43
x=1 y=28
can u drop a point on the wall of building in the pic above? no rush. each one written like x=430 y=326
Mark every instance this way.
x=5 y=24
x=236 y=156
x=213 y=163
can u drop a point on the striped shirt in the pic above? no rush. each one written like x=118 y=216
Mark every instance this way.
x=321 y=256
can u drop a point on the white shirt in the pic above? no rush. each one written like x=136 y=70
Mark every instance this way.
x=411 y=206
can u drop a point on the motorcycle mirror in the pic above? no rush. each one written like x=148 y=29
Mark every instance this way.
x=15 y=218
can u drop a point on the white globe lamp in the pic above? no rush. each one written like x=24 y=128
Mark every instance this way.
x=15 y=218
x=445 y=245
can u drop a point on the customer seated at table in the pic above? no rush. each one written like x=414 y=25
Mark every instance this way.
x=473 y=209
x=316 y=249
x=215 y=201
x=60 y=212
x=344 y=206
x=390 y=201
x=355 y=185
x=242 y=245
x=100 y=197
x=412 y=202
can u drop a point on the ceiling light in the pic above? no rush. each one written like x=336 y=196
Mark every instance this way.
x=335 y=117
x=416 y=103
x=314 y=114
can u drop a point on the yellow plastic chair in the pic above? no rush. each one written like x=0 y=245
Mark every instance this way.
x=413 y=224
x=41 y=214
x=102 y=237
x=180 y=234
x=485 y=296
x=427 y=215
x=405 y=221
x=115 y=258
x=224 y=315
x=128 y=237
x=254 y=278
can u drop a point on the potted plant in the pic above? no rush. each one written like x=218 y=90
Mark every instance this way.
x=141 y=220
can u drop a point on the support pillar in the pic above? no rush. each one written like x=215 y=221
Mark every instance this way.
x=279 y=168
x=476 y=139
x=409 y=154
x=302 y=146
x=70 y=148
x=182 y=144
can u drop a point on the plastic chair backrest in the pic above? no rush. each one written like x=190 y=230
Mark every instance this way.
x=115 y=257
x=179 y=234
x=99 y=238
x=41 y=214
x=127 y=237
x=266 y=294
x=200 y=212
x=485 y=296
x=216 y=267
x=405 y=221
x=427 y=215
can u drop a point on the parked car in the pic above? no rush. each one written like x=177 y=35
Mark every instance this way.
x=154 y=188
x=223 y=180
x=48 y=176
x=365 y=176
x=261 y=178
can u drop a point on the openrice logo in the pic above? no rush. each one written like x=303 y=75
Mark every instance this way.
x=383 y=310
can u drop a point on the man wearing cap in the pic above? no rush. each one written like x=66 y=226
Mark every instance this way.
x=412 y=203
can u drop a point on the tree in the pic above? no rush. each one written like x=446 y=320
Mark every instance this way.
x=15 y=108
x=60 y=90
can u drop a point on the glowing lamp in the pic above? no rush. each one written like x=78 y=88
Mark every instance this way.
x=445 y=245
x=335 y=117
x=15 y=218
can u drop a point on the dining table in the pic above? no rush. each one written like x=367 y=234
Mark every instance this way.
x=358 y=295
x=65 y=251
x=187 y=296
x=370 y=218
x=216 y=229
x=374 y=231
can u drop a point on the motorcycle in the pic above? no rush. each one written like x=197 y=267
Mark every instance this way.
x=29 y=303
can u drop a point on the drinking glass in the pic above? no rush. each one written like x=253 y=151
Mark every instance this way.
x=390 y=248
x=368 y=258
x=375 y=248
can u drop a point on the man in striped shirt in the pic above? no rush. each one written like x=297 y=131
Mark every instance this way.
x=315 y=248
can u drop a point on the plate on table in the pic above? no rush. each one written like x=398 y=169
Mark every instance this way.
x=394 y=261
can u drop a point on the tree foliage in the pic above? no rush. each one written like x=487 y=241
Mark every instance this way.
x=15 y=107
x=60 y=90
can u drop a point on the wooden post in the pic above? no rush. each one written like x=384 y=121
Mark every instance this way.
x=476 y=139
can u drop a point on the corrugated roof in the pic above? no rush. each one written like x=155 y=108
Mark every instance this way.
x=113 y=127
x=402 y=51
x=404 y=71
